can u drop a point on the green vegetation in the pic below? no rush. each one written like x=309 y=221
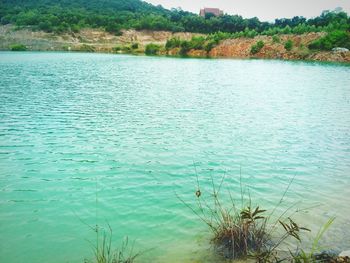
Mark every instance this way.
x=105 y=253
x=185 y=46
x=132 y=48
x=197 y=42
x=242 y=230
x=114 y=15
x=276 y=39
x=152 y=49
x=134 y=45
x=172 y=43
x=85 y=48
x=18 y=47
x=257 y=47
x=333 y=39
x=288 y=45
x=305 y=257
x=65 y=16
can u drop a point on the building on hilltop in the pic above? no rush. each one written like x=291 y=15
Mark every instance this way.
x=213 y=11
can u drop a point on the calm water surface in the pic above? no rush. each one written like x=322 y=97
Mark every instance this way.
x=87 y=139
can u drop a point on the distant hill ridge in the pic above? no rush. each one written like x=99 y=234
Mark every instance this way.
x=95 y=5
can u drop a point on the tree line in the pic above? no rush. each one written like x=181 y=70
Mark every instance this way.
x=114 y=15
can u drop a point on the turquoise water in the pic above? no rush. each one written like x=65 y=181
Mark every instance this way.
x=94 y=138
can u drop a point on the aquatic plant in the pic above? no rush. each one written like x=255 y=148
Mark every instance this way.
x=244 y=230
x=302 y=256
x=103 y=249
x=105 y=253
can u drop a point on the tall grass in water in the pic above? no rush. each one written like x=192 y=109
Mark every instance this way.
x=241 y=230
x=303 y=256
x=104 y=251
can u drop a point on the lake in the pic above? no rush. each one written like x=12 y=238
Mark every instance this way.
x=99 y=139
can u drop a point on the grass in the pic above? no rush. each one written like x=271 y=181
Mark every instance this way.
x=303 y=256
x=104 y=251
x=241 y=230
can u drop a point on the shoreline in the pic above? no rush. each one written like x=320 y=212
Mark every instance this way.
x=134 y=42
x=323 y=62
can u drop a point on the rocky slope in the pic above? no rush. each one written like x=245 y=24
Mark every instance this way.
x=241 y=47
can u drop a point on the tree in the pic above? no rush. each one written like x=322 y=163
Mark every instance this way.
x=331 y=40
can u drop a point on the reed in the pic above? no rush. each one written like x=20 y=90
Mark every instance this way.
x=105 y=253
x=242 y=230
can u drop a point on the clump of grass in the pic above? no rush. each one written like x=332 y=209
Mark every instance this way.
x=237 y=235
x=244 y=230
x=105 y=253
x=302 y=256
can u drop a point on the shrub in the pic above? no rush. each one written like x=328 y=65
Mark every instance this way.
x=288 y=45
x=18 y=47
x=331 y=40
x=257 y=47
x=135 y=45
x=185 y=46
x=197 y=43
x=152 y=49
x=276 y=39
x=114 y=28
x=75 y=28
x=45 y=26
x=125 y=49
x=117 y=48
x=210 y=45
x=173 y=43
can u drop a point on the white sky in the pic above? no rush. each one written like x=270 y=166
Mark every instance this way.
x=266 y=10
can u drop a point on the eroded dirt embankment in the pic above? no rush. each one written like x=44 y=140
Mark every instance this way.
x=100 y=41
x=241 y=48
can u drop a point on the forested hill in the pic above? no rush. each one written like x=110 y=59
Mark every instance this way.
x=114 y=15
x=101 y=6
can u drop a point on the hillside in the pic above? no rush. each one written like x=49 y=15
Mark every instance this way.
x=128 y=26
x=136 y=42
x=114 y=15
